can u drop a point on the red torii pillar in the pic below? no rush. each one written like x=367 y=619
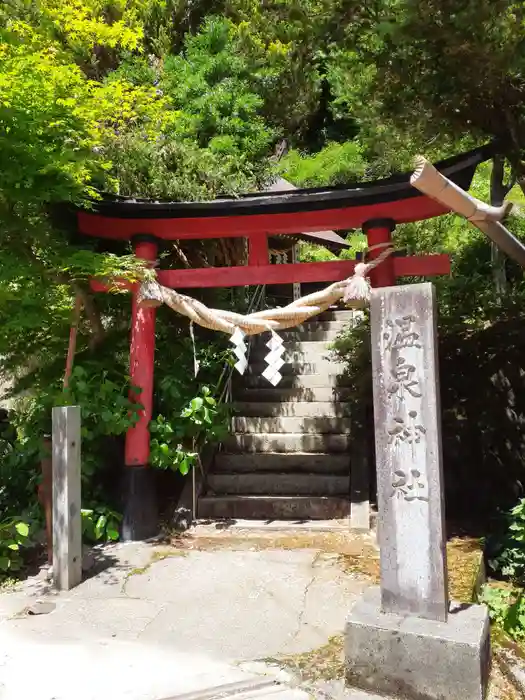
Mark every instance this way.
x=379 y=236
x=139 y=497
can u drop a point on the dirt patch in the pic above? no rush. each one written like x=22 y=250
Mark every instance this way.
x=327 y=663
x=501 y=686
x=465 y=568
x=357 y=554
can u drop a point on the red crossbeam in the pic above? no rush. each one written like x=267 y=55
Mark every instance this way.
x=416 y=266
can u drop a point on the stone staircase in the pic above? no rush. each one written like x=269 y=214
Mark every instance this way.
x=289 y=453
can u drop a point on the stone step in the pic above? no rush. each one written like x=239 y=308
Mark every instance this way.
x=313 y=333
x=301 y=353
x=273 y=507
x=318 y=346
x=290 y=424
x=277 y=394
x=278 y=484
x=297 y=381
x=315 y=324
x=286 y=462
x=287 y=442
x=292 y=408
x=322 y=366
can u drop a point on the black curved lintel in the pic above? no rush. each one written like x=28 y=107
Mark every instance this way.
x=460 y=169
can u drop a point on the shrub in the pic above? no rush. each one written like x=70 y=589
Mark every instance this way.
x=507 y=609
x=509 y=552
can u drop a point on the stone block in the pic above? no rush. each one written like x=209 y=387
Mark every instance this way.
x=415 y=658
x=288 y=442
x=279 y=484
x=274 y=507
x=319 y=425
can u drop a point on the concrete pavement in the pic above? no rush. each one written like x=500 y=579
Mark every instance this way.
x=156 y=622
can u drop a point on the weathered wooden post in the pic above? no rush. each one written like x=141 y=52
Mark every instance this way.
x=67 y=526
x=405 y=639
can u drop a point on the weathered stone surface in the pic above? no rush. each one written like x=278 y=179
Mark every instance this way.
x=408 y=451
x=277 y=394
x=279 y=484
x=289 y=454
x=298 y=351
x=321 y=333
x=297 y=381
x=67 y=527
x=292 y=408
x=286 y=463
x=287 y=442
x=322 y=366
x=291 y=424
x=274 y=507
x=416 y=658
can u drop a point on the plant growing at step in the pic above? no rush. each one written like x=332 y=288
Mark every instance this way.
x=510 y=553
x=175 y=444
x=506 y=608
x=100 y=524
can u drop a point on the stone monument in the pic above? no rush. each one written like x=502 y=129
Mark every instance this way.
x=406 y=639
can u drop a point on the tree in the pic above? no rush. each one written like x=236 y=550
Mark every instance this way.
x=438 y=66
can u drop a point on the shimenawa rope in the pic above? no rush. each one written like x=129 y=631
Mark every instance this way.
x=355 y=291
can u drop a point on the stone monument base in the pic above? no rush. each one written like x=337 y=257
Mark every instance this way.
x=418 y=659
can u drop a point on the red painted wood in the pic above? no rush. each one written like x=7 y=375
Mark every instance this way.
x=258 y=250
x=384 y=274
x=416 y=266
x=141 y=359
x=403 y=211
x=423 y=266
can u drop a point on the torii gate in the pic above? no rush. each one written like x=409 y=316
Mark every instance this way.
x=375 y=207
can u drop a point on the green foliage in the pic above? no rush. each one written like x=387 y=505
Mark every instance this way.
x=506 y=608
x=177 y=100
x=216 y=141
x=509 y=555
x=335 y=164
x=15 y=535
x=310 y=252
x=107 y=410
x=100 y=524
x=176 y=443
x=421 y=70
